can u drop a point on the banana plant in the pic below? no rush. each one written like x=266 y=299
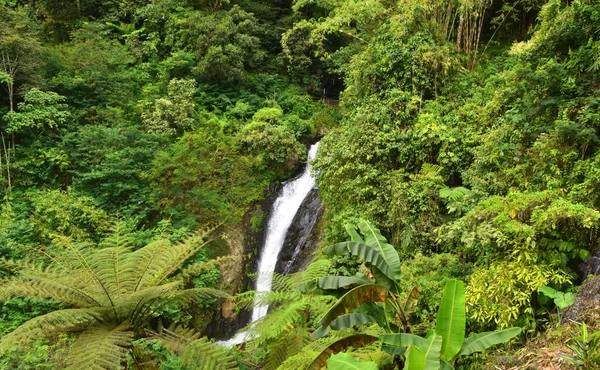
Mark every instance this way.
x=371 y=300
x=343 y=361
x=442 y=346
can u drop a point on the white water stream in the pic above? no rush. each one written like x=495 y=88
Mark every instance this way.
x=285 y=208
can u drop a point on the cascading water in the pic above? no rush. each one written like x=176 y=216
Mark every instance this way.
x=284 y=209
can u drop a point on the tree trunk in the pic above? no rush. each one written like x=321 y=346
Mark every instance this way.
x=461 y=24
x=11 y=95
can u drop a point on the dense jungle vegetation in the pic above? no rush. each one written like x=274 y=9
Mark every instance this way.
x=460 y=176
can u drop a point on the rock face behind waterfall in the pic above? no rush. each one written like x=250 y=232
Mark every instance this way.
x=226 y=325
x=302 y=236
x=591 y=266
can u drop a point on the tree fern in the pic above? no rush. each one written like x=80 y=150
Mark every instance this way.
x=294 y=307
x=453 y=194
x=54 y=322
x=113 y=291
x=110 y=347
x=287 y=346
x=309 y=353
x=202 y=354
x=196 y=353
x=429 y=169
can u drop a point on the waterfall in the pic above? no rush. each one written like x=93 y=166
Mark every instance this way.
x=284 y=209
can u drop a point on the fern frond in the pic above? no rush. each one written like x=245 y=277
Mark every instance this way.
x=80 y=259
x=175 y=336
x=101 y=348
x=199 y=294
x=279 y=320
x=54 y=322
x=156 y=263
x=311 y=351
x=279 y=282
x=317 y=269
x=109 y=263
x=286 y=347
x=429 y=169
x=251 y=299
x=453 y=194
x=48 y=287
x=202 y=354
x=140 y=264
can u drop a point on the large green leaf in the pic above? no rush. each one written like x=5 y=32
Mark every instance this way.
x=445 y=366
x=320 y=332
x=561 y=300
x=336 y=282
x=370 y=254
x=548 y=291
x=482 y=341
x=404 y=340
x=355 y=341
x=374 y=239
x=451 y=319
x=376 y=310
x=354 y=235
x=354 y=299
x=393 y=350
x=385 y=281
x=564 y=300
x=415 y=359
x=432 y=352
x=374 y=250
x=343 y=361
x=350 y=320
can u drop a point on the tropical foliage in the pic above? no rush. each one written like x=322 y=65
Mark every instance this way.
x=109 y=294
x=459 y=141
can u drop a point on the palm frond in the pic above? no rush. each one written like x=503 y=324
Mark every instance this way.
x=101 y=348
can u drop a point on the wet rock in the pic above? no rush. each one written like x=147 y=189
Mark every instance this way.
x=590 y=266
x=229 y=321
x=302 y=236
x=587 y=303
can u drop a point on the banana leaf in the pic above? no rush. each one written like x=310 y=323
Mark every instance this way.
x=451 y=319
x=415 y=359
x=404 y=340
x=432 y=352
x=355 y=341
x=344 y=361
x=350 y=320
x=374 y=239
x=371 y=255
x=354 y=299
x=481 y=341
x=374 y=249
x=336 y=282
